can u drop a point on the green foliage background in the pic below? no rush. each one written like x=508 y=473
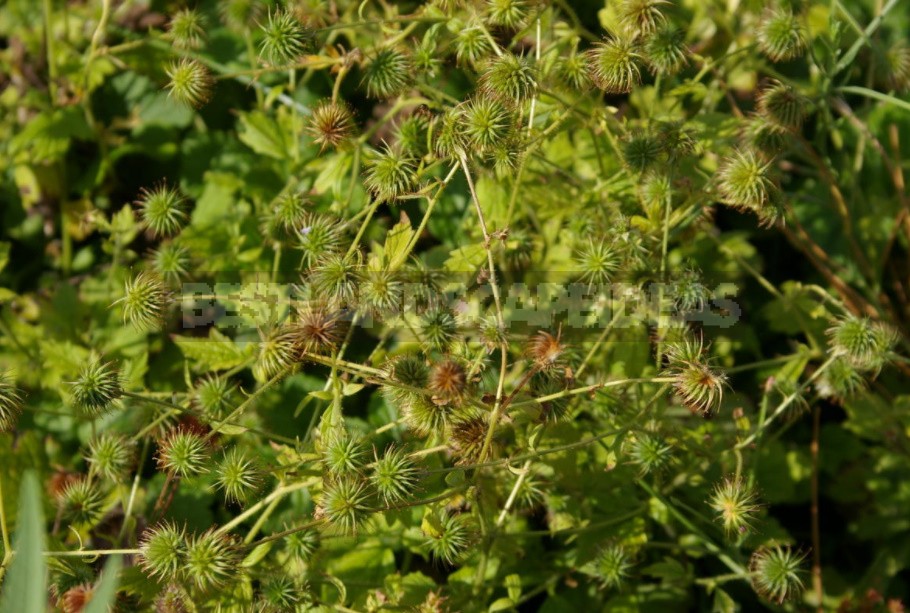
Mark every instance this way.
x=575 y=185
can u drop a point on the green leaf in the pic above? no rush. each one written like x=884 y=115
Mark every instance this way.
x=218 y=352
x=502 y=604
x=263 y=135
x=25 y=587
x=106 y=592
x=396 y=243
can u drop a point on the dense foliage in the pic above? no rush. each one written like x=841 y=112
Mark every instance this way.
x=462 y=305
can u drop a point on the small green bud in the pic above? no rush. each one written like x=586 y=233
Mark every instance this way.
x=471 y=44
x=597 y=261
x=319 y=235
x=486 y=124
x=650 y=452
x=343 y=455
x=840 y=381
x=641 y=151
x=438 y=327
x=171 y=261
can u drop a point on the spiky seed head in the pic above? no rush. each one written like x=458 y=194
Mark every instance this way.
x=613 y=65
x=641 y=150
x=689 y=293
x=390 y=174
x=76 y=598
x=641 y=17
x=665 y=51
x=110 y=456
x=410 y=369
x=864 y=343
x=447 y=381
x=777 y=572
x=547 y=384
x=783 y=105
x=174 y=598
x=894 y=65
x=238 y=475
x=438 y=327
x=211 y=560
x=699 y=386
x=612 y=566
x=335 y=279
x=676 y=140
x=448 y=539
x=471 y=44
x=760 y=134
x=277 y=352
x=840 y=381
x=96 y=388
x=331 y=123
x=546 y=351
x=343 y=455
x=467 y=437
x=424 y=416
x=240 y=15
x=509 y=78
x=145 y=301
x=289 y=211
x=163 y=209
x=411 y=135
x=735 y=503
x=302 y=544
x=318 y=329
x=650 y=453
x=344 y=503
x=10 y=402
x=744 y=181
x=656 y=188
x=394 y=476
x=506 y=13
x=189 y=82
x=450 y=138
x=319 y=235
x=486 y=124
x=781 y=36
x=381 y=292
x=280 y=594
x=171 y=262
x=187 y=29
x=574 y=69
x=162 y=552
x=81 y=503
x=597 y=261
x=284 y=39
x=183 y=453
x=388 y=73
